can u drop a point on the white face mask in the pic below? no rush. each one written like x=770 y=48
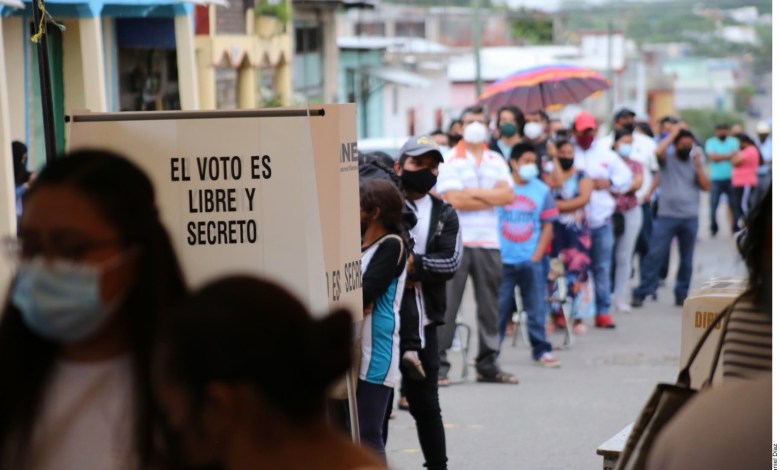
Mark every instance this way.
x=475 y=133
x=60 y=300
x=533 y=130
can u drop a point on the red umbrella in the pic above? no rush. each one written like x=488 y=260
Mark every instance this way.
x=540 y=87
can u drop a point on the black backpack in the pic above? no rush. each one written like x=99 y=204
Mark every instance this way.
x=379 y=165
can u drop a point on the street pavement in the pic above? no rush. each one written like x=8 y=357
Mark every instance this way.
x=556 y=418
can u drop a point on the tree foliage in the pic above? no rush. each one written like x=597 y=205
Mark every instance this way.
x=665 y=21
x=533 y=30
x=702 y=122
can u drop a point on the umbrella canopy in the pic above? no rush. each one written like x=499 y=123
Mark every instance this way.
x=540 y=87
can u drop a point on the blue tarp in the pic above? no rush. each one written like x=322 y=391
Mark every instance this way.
x=110 y=8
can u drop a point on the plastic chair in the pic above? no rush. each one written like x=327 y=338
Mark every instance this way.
x=461 y=343
x=560 y=295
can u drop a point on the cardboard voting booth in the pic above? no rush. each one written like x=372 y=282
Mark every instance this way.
x=700 y=309
x=272 y=193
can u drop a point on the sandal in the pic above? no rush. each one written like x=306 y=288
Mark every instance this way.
x=403 y=403
x=444 y=382
x=500 y=378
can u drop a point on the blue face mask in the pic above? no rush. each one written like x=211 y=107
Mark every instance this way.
x=624 y=150
x=528 y=171
x=59 y=300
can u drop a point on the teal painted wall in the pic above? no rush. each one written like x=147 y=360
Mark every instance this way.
x=370 y=114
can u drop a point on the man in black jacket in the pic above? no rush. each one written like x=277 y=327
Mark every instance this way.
x=436 y=256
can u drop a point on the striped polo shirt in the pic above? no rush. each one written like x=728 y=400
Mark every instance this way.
x=461 y=171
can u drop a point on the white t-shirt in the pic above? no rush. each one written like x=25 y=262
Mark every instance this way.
x=601 y=162
x=422 y=209
x=460 y=171
x=643 y=152
x=87 y=418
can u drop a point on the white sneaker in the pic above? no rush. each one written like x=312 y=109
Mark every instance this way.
x=548 y=360
x=622 y=307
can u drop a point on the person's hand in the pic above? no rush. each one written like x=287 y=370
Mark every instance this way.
x=602 y=183
x=648 y=197
x=552 y=151
x=536 y=258
x=410 y=264
x=368 y=310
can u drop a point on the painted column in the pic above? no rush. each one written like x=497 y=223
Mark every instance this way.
x=7 y=188
x=207 y=77
x=283 y=81
x=13 y=46
x=247 y=86
x=185 y=58
x=330 y=61
x=93 y=67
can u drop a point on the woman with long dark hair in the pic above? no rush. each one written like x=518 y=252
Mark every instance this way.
x=384 y=275
x=744 y=178
x=95 y=268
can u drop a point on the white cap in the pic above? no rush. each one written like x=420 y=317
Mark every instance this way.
x=763 y=128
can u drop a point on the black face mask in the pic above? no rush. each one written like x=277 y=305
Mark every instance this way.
x=420 y=181
x=629 y=128
x=566 y=163
x=722 y=138
x=454 y=139
x=684 y=153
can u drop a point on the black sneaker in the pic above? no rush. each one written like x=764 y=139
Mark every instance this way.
x=679 y=302
x=637 y=301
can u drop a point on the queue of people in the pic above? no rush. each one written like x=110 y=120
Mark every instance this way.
x=123 y=367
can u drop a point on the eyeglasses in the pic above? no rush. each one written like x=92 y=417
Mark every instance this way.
x=70 y=249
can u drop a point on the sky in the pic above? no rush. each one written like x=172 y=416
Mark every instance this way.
x=545 y=5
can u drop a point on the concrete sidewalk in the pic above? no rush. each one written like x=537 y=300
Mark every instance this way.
x=556 y=418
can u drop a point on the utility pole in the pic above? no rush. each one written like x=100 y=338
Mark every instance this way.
x=44 y=76
x=610 y=69
x=477 y=39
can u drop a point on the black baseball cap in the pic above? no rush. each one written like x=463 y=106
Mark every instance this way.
x=420 y=145
x=624 y=112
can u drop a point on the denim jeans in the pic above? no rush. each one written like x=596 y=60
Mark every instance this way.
x=602 y=241
x=528 y=276
x=664 y=229
x=643 y=242
x=720 y=187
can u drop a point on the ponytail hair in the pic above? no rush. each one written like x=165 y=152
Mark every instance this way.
x=245 y=329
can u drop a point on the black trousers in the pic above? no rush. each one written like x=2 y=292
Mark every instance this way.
x=410 y=330
x=423 y=396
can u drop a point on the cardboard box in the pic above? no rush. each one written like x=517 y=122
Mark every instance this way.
x=699 y=311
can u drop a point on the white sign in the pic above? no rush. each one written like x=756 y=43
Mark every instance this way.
x=239 y=192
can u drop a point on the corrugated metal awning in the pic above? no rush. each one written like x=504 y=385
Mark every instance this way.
x=12 y=3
